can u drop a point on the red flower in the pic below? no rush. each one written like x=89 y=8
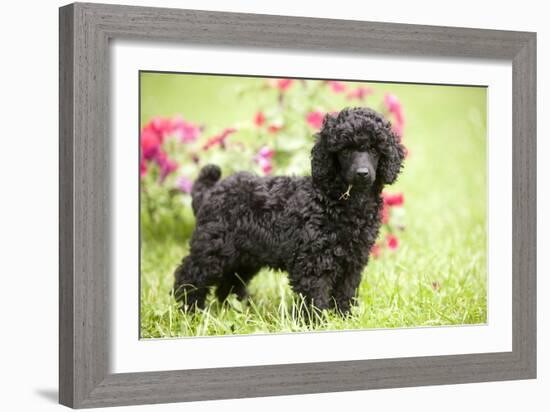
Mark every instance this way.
x=284 y=84
x=213 y=141
x=274 y=128
x=392 y=241
x=394 y=200
x=360 y=93
x=315 y=119
x=219 y=139
x=259 y=119
x=375 y=250
x=150 y=143
x=337 y=87
x=160 y=127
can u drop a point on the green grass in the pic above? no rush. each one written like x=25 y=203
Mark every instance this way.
x=396 y=292
x=436 y=277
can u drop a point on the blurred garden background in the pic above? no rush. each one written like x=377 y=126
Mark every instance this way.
x=428 y=267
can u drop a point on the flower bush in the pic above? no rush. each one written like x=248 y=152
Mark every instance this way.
x=276 y=140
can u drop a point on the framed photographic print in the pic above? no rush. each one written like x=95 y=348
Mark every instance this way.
x=256 y=205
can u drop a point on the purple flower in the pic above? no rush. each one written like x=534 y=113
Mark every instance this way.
x=266 y=152
x=264 y=159
x=184 y=184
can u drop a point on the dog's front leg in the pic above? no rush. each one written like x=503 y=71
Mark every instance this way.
x=313 y=286
x=345 y=289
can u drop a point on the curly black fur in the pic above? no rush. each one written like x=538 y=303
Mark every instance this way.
x=302 y=225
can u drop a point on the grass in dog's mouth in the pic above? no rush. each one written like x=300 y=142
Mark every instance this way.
x=346 y=195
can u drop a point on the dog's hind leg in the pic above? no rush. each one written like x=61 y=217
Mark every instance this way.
x=189 y=286
x=193 y=280
x=235 y=282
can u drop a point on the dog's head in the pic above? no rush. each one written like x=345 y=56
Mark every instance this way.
x=356 y=147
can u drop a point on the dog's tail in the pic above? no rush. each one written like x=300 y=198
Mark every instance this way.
x=208 y=177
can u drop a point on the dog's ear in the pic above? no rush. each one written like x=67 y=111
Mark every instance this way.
x=392 y=155
x=322 y=160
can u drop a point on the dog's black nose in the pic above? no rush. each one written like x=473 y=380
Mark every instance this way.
x=363 y=173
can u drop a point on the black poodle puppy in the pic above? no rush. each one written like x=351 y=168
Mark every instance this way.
x=318 y=228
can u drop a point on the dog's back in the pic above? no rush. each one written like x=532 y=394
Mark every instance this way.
x=257 y=215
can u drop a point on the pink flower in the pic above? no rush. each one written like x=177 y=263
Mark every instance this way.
x=398 y=128
x=360 y=93
x=393 y=200
x=266 y=152
x=337 y=87
x=187 y=132
x=167 y=166
x=142 y=167
x=375 y=250
x=265 y=164
x=315 y=119
x=392 y=241
x=259 y=119
x=264 y=159
x=219 y=139
x=385 y=214
x=392 y=102
x=162 y=126
x=394 y=106
x=184 y=184
x=284 y=84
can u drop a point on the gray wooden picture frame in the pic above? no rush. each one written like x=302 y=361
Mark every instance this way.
x=85 y=33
